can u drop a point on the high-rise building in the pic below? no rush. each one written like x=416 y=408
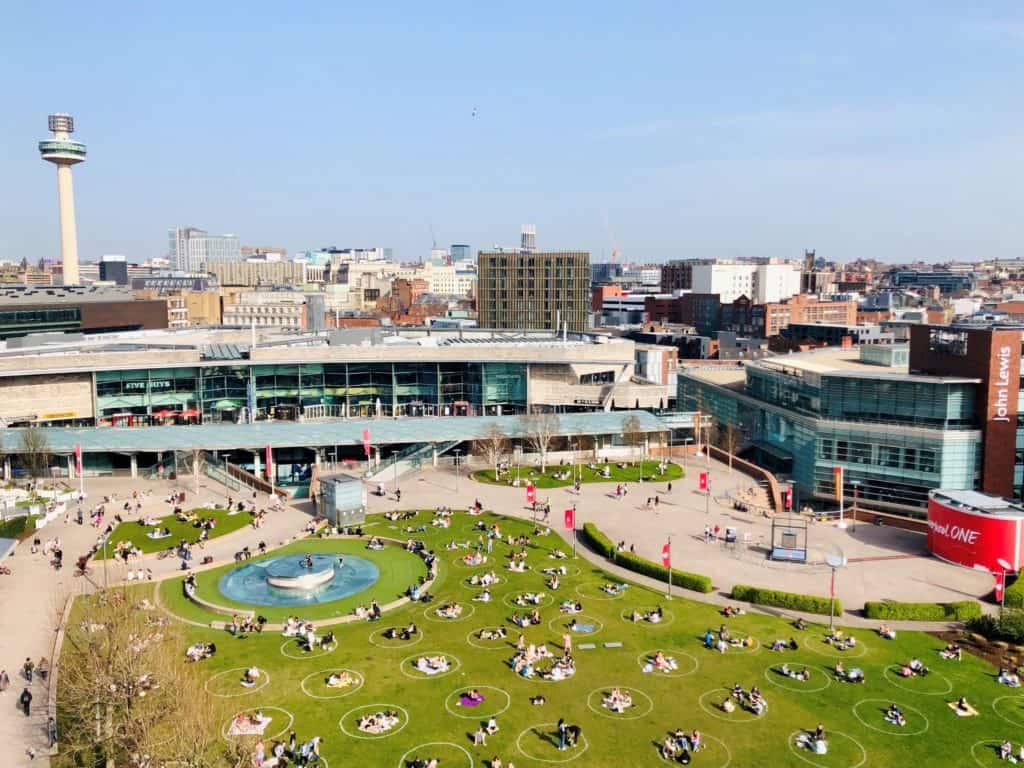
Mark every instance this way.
x=761 y=282
x=191 y=249
x=677 y=276
x=114 y=269
x=63 y=152
x=529 y=289
x=460 y=252
x=528 y=238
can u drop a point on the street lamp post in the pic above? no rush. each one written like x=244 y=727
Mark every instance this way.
x=856 y=496
x=835 y=560
x=686 y=447
x=457 y=451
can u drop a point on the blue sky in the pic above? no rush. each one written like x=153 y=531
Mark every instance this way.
x=674 y=130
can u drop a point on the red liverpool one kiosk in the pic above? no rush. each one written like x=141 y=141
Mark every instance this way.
x=975 y=529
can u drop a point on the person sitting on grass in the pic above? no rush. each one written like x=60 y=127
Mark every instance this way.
x=952 y=652
x=614 y=589
x=617 y=700
x=493 y=634
x=729 y=611
x=1006 y=677
x=962 y=707
x=800 y=624
x=887 y=632
x=553 y=583
x=660 y=662
x=449 y=611
x=483 y=597
x=803 y=675
x=252 y=674
x=559 y=571
x=570 y=606
x=432 y=665
x=341 y=679
x=895 y=716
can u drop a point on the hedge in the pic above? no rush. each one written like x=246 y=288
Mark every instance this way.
x=1009 y=627
x=604 y=546
x=598 y=541
x=1013 y=595
x=790 y=600
x=17 y=527
x=959 y=611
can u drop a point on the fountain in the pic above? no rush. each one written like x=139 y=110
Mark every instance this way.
x=298 y=579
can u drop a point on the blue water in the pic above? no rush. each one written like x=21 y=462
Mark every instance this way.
x=248 y=583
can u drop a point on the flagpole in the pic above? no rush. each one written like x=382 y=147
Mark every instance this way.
x=669 y=596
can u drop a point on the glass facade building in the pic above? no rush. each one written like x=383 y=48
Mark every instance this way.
x=896 y=436
x=285 y=391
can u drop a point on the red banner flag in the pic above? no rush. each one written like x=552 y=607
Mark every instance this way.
x=666 y=554
x=789 y=498
x=531 y=494
x=703 y=481
x=837 y=481
x=999 y=586
x=78 y=458
x=366 y=442
x=269 y=458
x=569 y=519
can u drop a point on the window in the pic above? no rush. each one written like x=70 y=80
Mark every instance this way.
x=910 y=458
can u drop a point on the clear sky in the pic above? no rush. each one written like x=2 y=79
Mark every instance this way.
x=888 y=130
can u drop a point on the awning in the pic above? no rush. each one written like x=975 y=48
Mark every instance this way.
x=226 y=405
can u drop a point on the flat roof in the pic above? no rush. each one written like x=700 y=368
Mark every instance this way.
x=846 y=361
x=978 y=503
x=300 y=434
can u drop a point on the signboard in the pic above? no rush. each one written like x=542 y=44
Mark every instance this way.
x=569 y=519
x=971 y=539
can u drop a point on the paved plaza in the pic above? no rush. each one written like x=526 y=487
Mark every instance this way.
x=884 y=563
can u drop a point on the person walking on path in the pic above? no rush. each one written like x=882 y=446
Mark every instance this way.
x=26 y=701
x=27 y=668
x=5 y=681
x=51 y=731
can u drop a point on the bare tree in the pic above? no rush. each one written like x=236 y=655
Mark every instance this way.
x=540 y=430
x=494 y=445
x=126 y=697
x=197 y=460
x=633 y=434
x=727 y=436
x=34 y=449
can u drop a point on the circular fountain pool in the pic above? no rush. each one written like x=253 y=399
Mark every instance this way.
x=287 y=580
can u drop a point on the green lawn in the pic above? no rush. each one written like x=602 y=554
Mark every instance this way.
x=630 y=473
x=136 y=533
x=852 y=713
x=398 y=570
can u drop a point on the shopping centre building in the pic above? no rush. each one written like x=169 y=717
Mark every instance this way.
x=127 y=397
x=901 y=420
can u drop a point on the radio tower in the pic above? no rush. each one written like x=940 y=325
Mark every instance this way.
x=63 y=152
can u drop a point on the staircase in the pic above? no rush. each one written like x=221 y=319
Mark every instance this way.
x=408 y=460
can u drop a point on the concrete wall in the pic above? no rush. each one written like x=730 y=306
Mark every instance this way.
x=60 y=396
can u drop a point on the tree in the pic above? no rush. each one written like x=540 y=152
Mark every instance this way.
x=633 y=434
x=728 y=437
x=494 y=446
x=540 y=430
x=125 y=698
x=35 y=451
x=197 y=460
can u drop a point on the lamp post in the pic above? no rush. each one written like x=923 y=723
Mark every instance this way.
x=457 y=451
x=856 y=496
x=835 y=560
x=686 y=447
x=1006 y=566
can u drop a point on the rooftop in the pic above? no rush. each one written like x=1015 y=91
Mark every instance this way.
x=979 y=503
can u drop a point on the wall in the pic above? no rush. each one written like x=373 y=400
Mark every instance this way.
x=57 y=396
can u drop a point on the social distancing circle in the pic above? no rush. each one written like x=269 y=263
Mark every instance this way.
x=499 y=644
x=917 y=723
x=272 y=730
x=833 y=758
x=539 y=740
x=991 y=746
x=932 y=684
x=485 y=709
x=349 y=727
x=409 y=669
x=510 y=600
x=594 y=591
x=824 y=649
x=667 y=617
x=813 y=684
x=424 y=751
x=338 y=693
x=430 y=613
x=738 y=715
x=642 y=703
x=1019 y=720
x=690 y=666
x=398 y=645
x=708 y=740
x=216 y=684
x=292 y=649
x=561 y=623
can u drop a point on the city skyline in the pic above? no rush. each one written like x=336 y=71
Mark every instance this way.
x=670 y=133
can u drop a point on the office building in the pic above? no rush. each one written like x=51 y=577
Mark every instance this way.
x=74 y=308
x=946 y=280
x=533 y=290
x=254 y=272
x=528 y=238
x=114 y=269
x=192 y=250
x=677 y=276
x=760 y=282
x=460 y=252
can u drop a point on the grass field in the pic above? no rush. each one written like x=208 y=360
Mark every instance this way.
x=630 y=473
x=136 y=533
x=852 y=714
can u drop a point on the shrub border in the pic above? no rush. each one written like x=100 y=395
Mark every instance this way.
x=601 y=544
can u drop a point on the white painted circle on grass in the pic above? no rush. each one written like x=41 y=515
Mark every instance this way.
x=291 y=721
x=739 y=715
x=545 y=601
x=898 y=682
x=831 y=735
x=264 y=682
x=453 y=665
x=993 y=745
x=574 y=753
x=895 y=730
x=402 y=763
x=312 y=655
x=667 y=617
x=357 y=734
x=344 y=691
x=858 y=651
x=707 y=737
x=430 y=613
x=500 y=644
x=581 y=618
x=475 y=714
x=773 y=676
x=400 y=645
x=645 y=658
x=465 y=583
x=598 y=593
x=633 y=713
x=1019 y=723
